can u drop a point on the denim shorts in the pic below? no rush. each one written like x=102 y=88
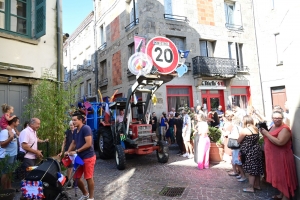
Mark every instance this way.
x=10 y=160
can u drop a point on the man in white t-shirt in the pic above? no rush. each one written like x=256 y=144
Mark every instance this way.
x=9 y=146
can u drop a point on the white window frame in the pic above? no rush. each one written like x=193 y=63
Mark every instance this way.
x=207 y=48
x=236 y=17
x=89 y=88
x=235 y=51
x=278 y=47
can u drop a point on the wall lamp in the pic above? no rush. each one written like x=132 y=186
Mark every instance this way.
x=65 y=36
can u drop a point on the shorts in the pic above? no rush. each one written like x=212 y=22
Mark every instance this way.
x=235 y=157
x=28 y=163
x=186 y=135
x=11 y=160
x=87 y=168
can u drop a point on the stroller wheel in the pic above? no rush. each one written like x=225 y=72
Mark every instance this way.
x=64 y=196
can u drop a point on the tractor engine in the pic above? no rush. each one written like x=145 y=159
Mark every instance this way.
x=142 y=134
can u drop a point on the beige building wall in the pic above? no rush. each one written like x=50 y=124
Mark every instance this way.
x=39 y=54
x=280 y=18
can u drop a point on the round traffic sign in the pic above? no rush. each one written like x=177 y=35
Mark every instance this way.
x=164 y=54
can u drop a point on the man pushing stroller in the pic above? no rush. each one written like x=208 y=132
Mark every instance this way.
x=82 y=145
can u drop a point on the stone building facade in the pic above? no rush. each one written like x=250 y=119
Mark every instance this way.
x=78 y=59
x=30 y=48
x=278 y=43
x=223 y=63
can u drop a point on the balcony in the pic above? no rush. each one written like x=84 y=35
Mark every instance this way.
x=103 y=82
x=132 y=24
x=176 y=18
x=234 y=27
x=213 y=67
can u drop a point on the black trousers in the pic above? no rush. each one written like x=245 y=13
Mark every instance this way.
x=179 y=140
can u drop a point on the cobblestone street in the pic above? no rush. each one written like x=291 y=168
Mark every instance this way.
x=144 y=178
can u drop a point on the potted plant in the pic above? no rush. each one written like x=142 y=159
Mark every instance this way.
x=7 y=194
x=216 y=148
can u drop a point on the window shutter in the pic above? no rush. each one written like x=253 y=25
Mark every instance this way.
x=40 y=18
x=210 y=49
x=237 y=14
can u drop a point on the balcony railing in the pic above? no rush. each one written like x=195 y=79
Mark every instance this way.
x=176 y=18
x=102 y=46
x=242 y=69
x=103 y=82
x=234 y=27
x=210 y=66
x=132 y=24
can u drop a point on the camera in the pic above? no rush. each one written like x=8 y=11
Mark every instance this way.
x=262 y=125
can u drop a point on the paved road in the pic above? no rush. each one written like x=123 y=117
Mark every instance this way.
x=144 y=178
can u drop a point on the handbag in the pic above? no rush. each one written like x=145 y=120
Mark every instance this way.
x=233 y=144
x=21 y=154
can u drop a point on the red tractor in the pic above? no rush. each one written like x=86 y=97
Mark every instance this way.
x=133 y=135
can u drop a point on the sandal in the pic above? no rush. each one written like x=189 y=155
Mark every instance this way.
x=248 y=190
x=276 y=197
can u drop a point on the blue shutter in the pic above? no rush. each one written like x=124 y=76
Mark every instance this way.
x=40 y=18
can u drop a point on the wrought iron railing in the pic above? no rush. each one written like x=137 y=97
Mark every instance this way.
x=210 y=66
x=132 y=24
x=103 y=82
x=102 y=46
x=176 y=18
x=242 y=69
x=234 y=27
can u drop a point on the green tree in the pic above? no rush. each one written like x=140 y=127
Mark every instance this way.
x=50 y=102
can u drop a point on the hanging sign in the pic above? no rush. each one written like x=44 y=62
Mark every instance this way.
x=163 y=53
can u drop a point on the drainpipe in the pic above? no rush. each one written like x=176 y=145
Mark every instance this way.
x=96 y=53
x=134 y=14
x=59 y=37
x=259 y=70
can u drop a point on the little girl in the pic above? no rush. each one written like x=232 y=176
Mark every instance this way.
x=7 y=111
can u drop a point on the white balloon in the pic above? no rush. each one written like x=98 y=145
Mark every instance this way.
x=140 y=64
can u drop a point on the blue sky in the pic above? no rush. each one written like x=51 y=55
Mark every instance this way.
x=74 y=12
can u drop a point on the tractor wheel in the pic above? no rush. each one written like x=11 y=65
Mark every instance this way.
x=120 y=157
x=106 y=146
x=162 y=153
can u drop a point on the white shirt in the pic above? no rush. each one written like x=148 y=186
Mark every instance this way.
x=3 y=137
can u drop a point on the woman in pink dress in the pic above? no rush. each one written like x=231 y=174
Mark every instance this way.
x=280 y=164
x=203 y=145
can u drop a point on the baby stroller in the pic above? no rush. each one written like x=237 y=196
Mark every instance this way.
x=42 y=182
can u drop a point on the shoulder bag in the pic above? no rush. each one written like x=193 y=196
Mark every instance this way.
x=21 y=154
x=232 y=143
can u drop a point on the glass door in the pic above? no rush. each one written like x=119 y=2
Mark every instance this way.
x=212 y=99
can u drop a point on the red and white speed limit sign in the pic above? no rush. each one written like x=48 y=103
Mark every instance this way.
x=164 y=54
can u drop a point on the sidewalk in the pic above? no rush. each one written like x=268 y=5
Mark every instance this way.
x=145 y=178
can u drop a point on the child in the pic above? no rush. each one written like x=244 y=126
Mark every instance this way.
x=168 y=133
x=7 y=111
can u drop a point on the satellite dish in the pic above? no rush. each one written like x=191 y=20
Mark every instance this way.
x=140 y=64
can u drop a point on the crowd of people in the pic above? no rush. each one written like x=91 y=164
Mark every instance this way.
x=245 y=128
x=189 y=128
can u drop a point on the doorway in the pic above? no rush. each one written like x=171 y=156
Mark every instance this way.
x=211 y=99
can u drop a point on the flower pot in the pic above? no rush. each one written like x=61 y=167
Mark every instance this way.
x=7 y=194
x=216 y=152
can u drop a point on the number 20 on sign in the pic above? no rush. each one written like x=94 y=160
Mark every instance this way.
x=163 y=53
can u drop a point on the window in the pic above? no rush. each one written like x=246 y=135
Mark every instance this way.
x=82 y=90
x=131 y=50
x=103 y=70
x=15 y=17
x=89 y=88
x=134 y=14
x=178 y=41
x=179 y=96
x=76 y=92
x=207 y=48
x=102 y=35
x=233 y=15
x=279 y=51
x=235 y=51
x=175 y=10
x=240 y=96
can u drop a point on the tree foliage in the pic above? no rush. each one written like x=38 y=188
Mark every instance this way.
x=50 y=102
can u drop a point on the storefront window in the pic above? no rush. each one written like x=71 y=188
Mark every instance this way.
x=240 y=96
x=179 y=97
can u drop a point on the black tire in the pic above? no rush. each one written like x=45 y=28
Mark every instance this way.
x=162 y=153
x=120 y=157
x=106 y=146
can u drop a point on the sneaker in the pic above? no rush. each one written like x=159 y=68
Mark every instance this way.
x=185 y=155
x=69 y=185
x=238 y=177
x=83 y=197
x=191 y=156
